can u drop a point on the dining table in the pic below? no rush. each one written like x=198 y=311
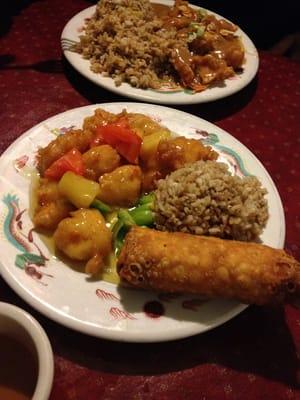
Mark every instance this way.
x=252 y=356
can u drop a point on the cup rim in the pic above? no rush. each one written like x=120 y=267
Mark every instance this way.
x=42 y=345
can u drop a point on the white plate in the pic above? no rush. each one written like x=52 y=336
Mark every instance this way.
x=100 y=308
x=73 y=30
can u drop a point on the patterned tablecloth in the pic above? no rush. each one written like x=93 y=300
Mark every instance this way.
x=255 y=355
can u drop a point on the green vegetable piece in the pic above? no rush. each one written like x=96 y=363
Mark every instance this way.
x=120 y=240
x=142 y=216
x=146 y=206
x=192 y=36
x=102 y=207
x=116 y=228
x=147 y=198
x=119 y=231
x=126 y=218
x=200 y=31
x=202 y=13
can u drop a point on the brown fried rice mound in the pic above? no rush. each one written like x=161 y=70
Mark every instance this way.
x=124 y=40
x=203 y=198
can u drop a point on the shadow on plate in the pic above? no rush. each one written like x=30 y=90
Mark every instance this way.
x=213 y=111
x=173 y=306
x=256 y=342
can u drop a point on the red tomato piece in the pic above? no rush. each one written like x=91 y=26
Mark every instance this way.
x=71 y=161
x=130 y=151
x=122 y=138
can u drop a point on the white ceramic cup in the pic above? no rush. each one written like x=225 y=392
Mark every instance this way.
x=21 y=326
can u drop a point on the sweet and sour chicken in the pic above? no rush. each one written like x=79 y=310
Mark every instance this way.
x=112 y=161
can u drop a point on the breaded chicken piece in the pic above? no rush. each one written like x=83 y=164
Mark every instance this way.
x=121 y=187
x=99 y=160
x=177 y=152
x=100 y=117
x=51 y=206
x=84 y=236
x=77 y=139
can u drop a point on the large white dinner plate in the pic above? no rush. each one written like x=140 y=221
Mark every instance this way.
x=101 y=308
x=73 y=30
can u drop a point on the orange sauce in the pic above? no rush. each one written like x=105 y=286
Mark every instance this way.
x=109 y=273
x=160 y=10
x=18 y=370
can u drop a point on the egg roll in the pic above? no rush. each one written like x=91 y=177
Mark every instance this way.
x=176 y=262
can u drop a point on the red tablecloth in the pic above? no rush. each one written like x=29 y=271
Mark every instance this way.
x=255 y=355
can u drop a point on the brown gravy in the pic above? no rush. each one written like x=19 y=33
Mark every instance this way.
x=160 y=10
x=18 y=370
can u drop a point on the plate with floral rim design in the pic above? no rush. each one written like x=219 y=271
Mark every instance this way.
x=97 y=307
x=165 y=95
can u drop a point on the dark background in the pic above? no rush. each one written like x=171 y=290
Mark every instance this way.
x=266 y=22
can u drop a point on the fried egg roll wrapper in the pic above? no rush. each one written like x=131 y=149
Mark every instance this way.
x=183 y=263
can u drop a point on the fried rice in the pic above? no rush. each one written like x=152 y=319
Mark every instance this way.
x=126 y=41
x=203 y=198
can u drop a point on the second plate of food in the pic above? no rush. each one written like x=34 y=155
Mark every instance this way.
x=43 y=270
x=191 y=56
